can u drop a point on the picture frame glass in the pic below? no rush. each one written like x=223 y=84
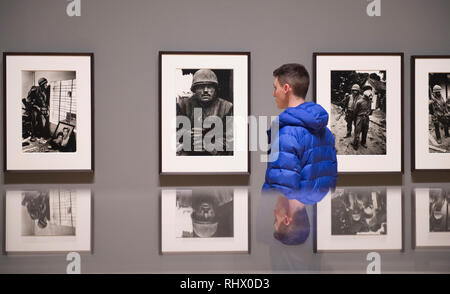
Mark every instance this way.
x=204 y=100
x=363 y=95
x=194 y=221
x=431 y=86
x=53 y=220
x=42 y=93
x=360 y=219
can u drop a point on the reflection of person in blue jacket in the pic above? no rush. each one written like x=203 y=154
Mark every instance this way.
x=302 y=164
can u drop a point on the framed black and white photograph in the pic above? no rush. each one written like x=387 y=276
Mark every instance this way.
x=430 y=112
x=48 y=112
x=431 y=218
x=48 y=221
x=363 y=95
x=352 y=219
x=204 y=108
x=213 y=220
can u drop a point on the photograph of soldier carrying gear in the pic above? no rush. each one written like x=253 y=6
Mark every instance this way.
x=362 y=110
x=39 y=97
x=210 y=117
x=439 y=110
x=49 y=105
x=358 y=112
x=349 y=107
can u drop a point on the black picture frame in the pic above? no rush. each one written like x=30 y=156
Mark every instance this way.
x=90 y=170
x=160 y=91
x=414 y=58
x=369 y=54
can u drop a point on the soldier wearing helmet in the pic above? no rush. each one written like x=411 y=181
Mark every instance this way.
x=439 y=112
x=362 y=110
x=205 y=86
x=39 y=97
x=212 y=214
x=349 y=107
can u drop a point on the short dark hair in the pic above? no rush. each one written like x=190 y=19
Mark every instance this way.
x=298 y=230
x=296 y=76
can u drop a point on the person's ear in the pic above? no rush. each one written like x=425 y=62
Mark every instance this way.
x=287 y=220
x=286 y=88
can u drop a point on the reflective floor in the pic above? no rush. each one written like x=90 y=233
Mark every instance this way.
x=231 y=234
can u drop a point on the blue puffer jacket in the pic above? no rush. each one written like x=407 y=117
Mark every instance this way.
x=304 y=167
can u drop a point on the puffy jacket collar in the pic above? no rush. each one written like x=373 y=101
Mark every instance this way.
x=309 y=115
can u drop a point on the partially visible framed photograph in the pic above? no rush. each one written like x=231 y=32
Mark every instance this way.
x=204 y=108
x=363 y=95
x=200 y=221
x=353 y=219
x=48 y=112
x=430 y=113
x=48 y=221
x=431 y=221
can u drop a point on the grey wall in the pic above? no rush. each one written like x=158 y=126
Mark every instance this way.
x=126 y=37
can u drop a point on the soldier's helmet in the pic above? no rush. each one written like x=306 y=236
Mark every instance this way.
x=367 y=87
x=204 y=76
x=437 y=88
x=356 y=87
x=42 y=81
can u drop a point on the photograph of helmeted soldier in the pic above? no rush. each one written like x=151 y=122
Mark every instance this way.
x=204 y=112
x=37 y=105
x=358 y=112
x=48 y=214
x=439 y=210
x=362 y=111
x=49 y=99
x=358 y=212
x=439 y=112
x=202 y=214
x=38 y=207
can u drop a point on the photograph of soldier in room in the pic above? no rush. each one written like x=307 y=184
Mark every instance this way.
x=439 y=112
x=204 y=215
x=358 y=212
x=49 y=101
x=48 y=214
x=439 y=210
x=358 y=112
x=205 y=100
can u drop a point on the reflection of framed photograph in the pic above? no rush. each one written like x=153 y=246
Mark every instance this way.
x=48 y=221
x=48 y=102
x=204 y=102
x=355 y=219
x=430 y=112
x=204 y=221
x=431 y=221
x=363 y=94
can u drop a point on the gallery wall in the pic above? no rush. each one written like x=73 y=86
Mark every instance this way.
x=126 y=36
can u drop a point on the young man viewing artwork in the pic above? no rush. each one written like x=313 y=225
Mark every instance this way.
x=302 y=166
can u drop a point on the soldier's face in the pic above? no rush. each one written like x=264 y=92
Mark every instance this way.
x=205 y=93
x=368 y=93
x=355 y=92
x=205 y=212
x=204 y=209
